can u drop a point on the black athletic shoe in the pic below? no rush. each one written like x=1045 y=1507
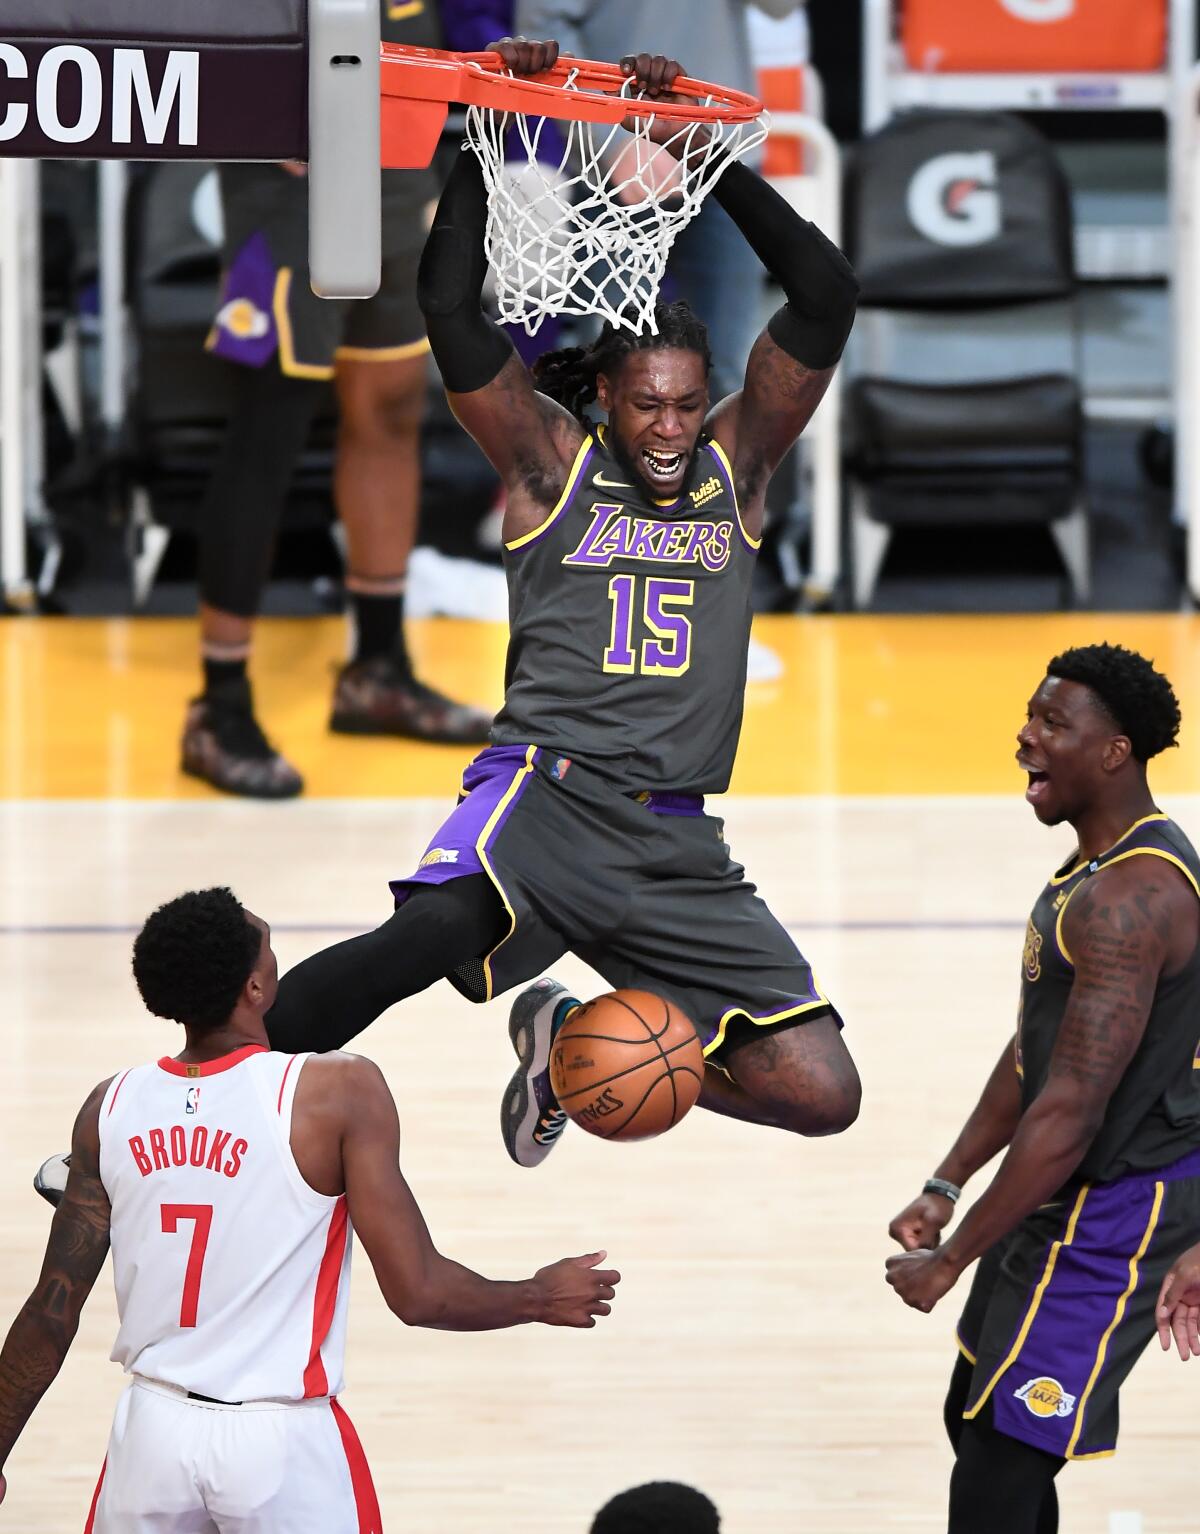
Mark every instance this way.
x=50 y=1179
x=530 y=1119
x=223 y=743
x=382 y=697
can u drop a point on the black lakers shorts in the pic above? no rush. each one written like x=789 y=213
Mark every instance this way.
x=1060 y=1311
x=268 y=313
x=643 y=889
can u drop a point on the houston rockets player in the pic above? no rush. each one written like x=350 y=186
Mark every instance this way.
x=228 y=1180
x=1097 y=1104
x=630 y=552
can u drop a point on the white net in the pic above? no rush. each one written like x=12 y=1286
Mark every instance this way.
x=582 y=216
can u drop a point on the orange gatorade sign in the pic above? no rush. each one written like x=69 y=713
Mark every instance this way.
x=1035 y=36
x=781 y=89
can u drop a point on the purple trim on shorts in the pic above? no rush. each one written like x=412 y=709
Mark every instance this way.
x=675 y=804
x=1188 y=1165
x=1076 y=1310
x=248 y=300
x=453 y=850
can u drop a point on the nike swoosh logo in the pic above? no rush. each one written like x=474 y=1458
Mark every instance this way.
x=610 y=484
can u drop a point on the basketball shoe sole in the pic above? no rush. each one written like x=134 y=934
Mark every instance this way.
x=530 y=1119
x=50 y=1180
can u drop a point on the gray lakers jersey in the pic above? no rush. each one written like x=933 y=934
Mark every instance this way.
x=629 y=622
x=1154 y=1115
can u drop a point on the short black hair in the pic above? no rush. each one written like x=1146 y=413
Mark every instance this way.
x=569 y=375
x=194 y=955
x=1138 y=699
x=659 y=1507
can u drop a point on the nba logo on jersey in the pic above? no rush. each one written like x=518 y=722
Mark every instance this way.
x=559 y=770
x=193 y=1100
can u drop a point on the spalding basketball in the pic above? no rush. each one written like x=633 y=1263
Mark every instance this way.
x=627 y=1066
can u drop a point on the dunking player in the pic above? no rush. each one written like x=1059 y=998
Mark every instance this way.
x=630 y=551
x=229 y=1180
x=1098 y=1103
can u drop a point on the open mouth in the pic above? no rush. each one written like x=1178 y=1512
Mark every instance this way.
x=1039 y=786
x=661 y=468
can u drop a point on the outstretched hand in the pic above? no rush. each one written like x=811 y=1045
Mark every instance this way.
x=576 y=1290
x=525 y=57
x=1178 y=1310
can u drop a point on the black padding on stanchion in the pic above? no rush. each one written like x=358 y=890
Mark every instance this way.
x=238 y=80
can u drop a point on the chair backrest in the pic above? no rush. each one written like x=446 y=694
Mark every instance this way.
x=1033 y=36
x=173 y=239
x=958 y=210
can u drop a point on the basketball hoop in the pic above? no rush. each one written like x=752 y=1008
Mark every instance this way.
x=583 y=226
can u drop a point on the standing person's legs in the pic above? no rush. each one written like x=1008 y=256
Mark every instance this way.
x=281 y=339
x=272 y=323
x=1028 y=1473
x=269 y=423
x=1000 y=1485
x=381 y=400
x=382 y=385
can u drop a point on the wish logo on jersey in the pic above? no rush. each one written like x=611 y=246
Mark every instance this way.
x=1045 y=1397
x=614 y=534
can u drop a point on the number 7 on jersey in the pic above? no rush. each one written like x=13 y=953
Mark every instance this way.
x=202 y=1215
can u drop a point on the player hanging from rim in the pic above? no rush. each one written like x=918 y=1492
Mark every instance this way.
x=229 y=1180
x=630 y=554
x=1097 y=1099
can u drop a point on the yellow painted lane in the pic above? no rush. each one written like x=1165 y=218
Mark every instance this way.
x=866 y=705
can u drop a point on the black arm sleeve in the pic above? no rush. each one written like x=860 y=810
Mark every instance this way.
x=817 y=280
x=469 y=348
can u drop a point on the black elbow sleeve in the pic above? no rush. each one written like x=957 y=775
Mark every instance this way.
x=817 y=280
x=470 y=349
x=822 y=297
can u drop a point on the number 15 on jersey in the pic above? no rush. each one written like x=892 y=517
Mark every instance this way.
x=667 y=648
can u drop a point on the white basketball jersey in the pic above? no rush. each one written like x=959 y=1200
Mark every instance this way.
x=232 y=1274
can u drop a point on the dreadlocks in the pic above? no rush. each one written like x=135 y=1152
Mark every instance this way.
x=569 y=375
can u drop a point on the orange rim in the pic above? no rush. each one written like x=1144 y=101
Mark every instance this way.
x=480 y=80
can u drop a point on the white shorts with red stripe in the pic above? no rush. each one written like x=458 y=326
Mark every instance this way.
x=182 y=1466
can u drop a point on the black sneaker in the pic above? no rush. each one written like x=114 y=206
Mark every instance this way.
x=530 y=1119
x=224 y=744
x=382 y=697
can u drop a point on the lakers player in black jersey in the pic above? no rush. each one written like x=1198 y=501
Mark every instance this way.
x=629 y=551
x=1096 y=1101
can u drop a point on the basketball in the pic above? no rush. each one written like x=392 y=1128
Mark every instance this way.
x=627 y=1066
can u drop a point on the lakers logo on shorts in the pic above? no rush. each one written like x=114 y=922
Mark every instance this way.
x=437 y=855
x=1032 y=957
x=243 y=320
x=1045 y=1397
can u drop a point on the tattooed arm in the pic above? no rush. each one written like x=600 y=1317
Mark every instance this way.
x=1124 y=928
x=38 y=1339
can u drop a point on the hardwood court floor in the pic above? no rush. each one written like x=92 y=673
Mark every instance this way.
x=754 y=1348
x=92 y=708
